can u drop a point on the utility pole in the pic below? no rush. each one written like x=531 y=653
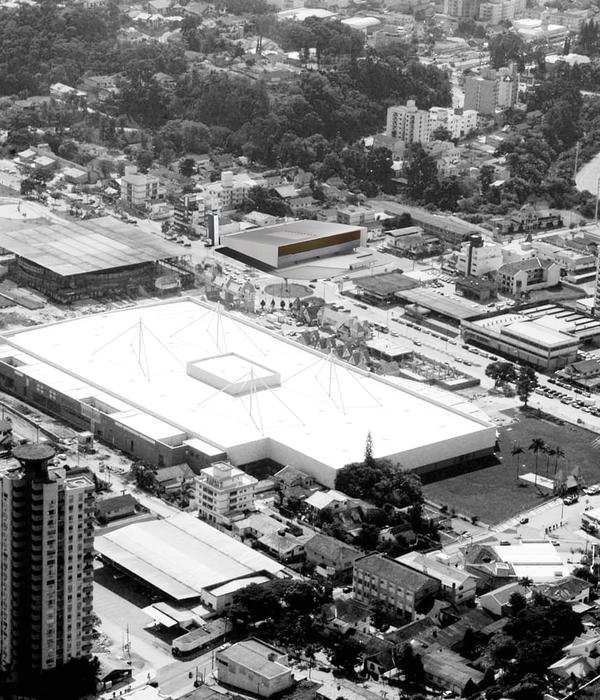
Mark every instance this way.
x=577 y=146
x=597 y=195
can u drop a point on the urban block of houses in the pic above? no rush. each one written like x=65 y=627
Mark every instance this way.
x=255 y=667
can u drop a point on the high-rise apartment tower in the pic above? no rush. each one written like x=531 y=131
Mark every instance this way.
x=46 y=565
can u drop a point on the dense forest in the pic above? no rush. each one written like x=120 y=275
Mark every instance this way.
x=311 y=120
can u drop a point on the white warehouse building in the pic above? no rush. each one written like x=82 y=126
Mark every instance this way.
x=180 y=381
x=292 y=242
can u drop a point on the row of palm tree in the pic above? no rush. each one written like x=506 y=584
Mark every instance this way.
x=538 y=446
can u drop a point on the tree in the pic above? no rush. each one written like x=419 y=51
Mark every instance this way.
x=441 y=134
x=501 y=372
x=411 y=665
x=253 y=604
x=27 y=186
x=368 y=538
x=549 y=452
x=558 y=453
x=187 y=167
x=345 y=654
x=420 y=171
x=505 y=48
x=517 y=602
x=486 y=177
x=537 y=445
x=369 y=459
x=380 y=482
x=515 y=452
x=526 y=383
x=144 y=161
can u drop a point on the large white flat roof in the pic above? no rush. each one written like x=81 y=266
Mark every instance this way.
x=320 y=412
x=182 y=555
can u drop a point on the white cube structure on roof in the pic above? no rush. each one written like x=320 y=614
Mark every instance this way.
x=125 y=375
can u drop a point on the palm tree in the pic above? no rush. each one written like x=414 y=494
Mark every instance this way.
x=550 y=452
x=537 y=445
x=516 y=450
x=559 y=453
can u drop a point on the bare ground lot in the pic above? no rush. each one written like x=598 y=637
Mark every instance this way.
x=493 y=494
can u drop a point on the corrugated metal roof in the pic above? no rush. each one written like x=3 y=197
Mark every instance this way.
x=74 y=248
x=193 y=555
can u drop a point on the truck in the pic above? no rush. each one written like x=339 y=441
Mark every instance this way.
x=190 y=641
x=208 y=636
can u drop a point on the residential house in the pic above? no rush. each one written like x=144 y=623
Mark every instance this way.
x=45 y=164
x=457 y=585
x=253 y=666
x=75 y=176
x=102 y=87
x=349 y=329
x=570 y=589
x=402 y=590
x=332 y=559
x=585 y=373
x=497 y=602
x=109 y=509
x=158 y=7
x=284 y=547
x=293 y=484
x=580 y=658
x=521 y=277
x=224 y=492
x=166 y=82
x=447 y=669
x=282 y=539
x=346 y=616
x=321 y=501
x=173 y=480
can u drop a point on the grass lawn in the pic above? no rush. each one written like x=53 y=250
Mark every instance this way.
x=493 y=493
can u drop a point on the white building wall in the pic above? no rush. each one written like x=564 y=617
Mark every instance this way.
x=486 y=259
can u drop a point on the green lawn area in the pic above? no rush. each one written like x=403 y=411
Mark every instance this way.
x=493 y=494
